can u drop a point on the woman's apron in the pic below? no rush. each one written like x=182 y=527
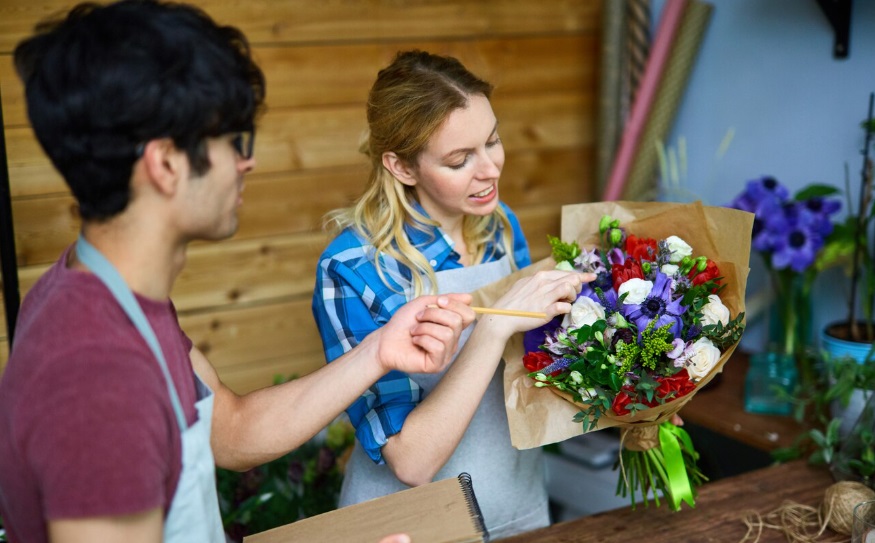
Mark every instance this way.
x=194 y=512
x=509 y=484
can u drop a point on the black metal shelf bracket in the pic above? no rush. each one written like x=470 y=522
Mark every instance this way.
x=838 y=12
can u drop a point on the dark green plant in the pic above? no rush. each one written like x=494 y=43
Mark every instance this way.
x=301 y=484
x=820 y=441
x=864 y=465
x=853 y=241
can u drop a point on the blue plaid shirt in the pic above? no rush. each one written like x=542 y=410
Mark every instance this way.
x=351 y=301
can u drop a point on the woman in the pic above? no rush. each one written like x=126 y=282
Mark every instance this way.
x=431 y=218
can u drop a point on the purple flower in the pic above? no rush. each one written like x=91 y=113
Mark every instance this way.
x=590 y=262
x=766 y=224
x=616 y=256
x=559 y=365
x=795 y=240
x=757 y=191
x=607 y=299
x=657 y=306
x=789 y=232
x=533 y=339
x=817 y=213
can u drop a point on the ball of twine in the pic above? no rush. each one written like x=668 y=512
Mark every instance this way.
x=838 y=504
x=801 y=523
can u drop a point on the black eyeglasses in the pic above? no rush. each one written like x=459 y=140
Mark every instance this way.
x=244 y=143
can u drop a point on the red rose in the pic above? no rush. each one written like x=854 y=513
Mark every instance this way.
x=537 y=360
x=620 y=403
x=641 y=248
x=710 y=272
x=630 y=269
x=678 y=383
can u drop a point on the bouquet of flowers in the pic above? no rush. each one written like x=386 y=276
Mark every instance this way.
x=661 y=319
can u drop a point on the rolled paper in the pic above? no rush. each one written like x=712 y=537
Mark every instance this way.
x=669 y=22
x=609 y=114
x=641 y=181
x=637 y=40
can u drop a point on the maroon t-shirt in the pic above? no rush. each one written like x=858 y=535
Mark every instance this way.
x=86 y=424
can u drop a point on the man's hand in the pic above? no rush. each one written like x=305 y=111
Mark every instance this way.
x=396 y=538
x=423 y=334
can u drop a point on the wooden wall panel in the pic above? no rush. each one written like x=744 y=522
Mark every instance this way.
x=246 y=301
x=301 y=22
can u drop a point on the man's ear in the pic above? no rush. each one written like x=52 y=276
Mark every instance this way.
x=164 y=164
x=399 y=169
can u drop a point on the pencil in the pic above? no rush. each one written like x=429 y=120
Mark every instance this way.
x=508 y=312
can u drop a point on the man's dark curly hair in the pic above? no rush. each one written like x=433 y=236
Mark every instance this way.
x=107 y=78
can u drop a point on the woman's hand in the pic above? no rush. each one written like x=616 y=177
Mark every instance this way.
x=551 y=292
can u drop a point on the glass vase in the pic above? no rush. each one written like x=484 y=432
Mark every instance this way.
x=790 y=318
x=769 y=383
x=774 y=374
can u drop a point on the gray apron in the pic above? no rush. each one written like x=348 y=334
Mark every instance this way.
x=194 y=515
x=509 y=484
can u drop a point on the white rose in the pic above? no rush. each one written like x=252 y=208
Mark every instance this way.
x=583 y=311
x=678 y=247
x=714 y=311
x=669 y=269
x=638 y=290
x=704 y=356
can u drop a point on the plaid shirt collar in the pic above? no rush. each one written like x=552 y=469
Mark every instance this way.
x=437 y=246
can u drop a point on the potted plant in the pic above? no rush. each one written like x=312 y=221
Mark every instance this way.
x=852 y=242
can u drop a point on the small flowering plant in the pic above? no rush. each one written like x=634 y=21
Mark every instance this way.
x=791 y=233
x=640 y=337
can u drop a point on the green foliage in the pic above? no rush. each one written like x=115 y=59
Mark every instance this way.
x=820 y=441
x=724 y=336
x=864 y=465
x=563 y=252
x=656 y=343
x=301 y=484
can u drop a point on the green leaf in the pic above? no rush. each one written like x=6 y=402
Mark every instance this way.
x=815 y=190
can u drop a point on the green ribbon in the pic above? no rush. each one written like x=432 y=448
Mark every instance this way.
x=678 y=484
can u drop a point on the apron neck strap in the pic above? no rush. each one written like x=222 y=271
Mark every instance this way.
x=106 y=272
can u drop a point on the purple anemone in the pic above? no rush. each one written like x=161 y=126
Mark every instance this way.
x=657 y=306
x=795 y=239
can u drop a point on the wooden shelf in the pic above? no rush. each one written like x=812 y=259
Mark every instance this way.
x=720 y=408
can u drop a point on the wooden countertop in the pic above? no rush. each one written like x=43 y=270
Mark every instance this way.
x=720 y=408
x=717 y=517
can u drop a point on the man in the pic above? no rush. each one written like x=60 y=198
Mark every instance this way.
x=111 y=422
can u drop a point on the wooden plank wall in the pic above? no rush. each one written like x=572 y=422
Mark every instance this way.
x=246 y=301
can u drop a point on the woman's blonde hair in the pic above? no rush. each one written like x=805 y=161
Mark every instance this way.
x=409 y=101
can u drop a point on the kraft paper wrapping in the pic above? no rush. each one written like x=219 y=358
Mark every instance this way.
x=538 y=416
x=641 y=182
